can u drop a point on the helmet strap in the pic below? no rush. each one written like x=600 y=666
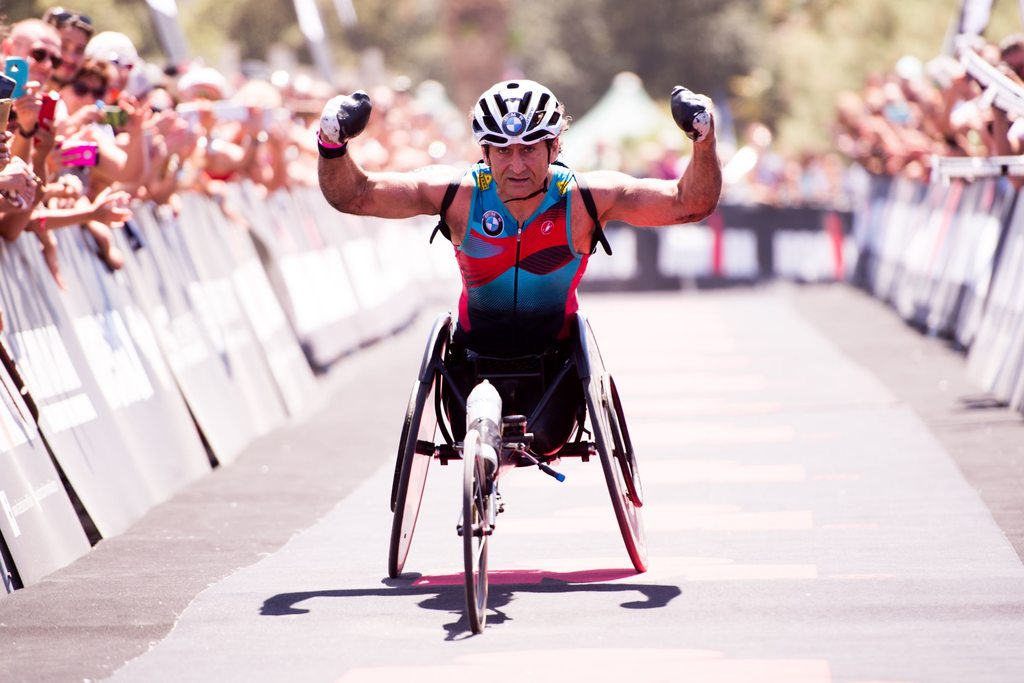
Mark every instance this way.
x=529 y=196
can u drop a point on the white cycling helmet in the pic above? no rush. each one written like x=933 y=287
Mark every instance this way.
x=516 y=112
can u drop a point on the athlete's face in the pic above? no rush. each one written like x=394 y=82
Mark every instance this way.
x=520 y=170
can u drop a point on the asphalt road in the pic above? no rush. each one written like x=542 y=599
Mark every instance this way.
x=826 y=501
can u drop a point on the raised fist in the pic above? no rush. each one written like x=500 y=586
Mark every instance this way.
x=344 y=117
x=691 y=112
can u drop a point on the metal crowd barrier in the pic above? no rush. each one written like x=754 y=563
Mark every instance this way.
x=129 y=385
x=948 y=255
x=738 y=244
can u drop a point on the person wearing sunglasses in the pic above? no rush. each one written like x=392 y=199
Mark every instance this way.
x=117 y=49
x=89 y=87
x=120 y=160
x=39 y=44
x=75 y=30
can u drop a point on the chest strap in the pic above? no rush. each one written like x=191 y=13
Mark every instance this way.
x=442 y=223
x=588 y=201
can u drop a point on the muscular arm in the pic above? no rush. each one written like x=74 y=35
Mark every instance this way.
x=350 y=189
x=650 y=202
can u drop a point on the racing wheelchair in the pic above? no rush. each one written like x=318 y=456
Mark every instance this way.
x=491 y=447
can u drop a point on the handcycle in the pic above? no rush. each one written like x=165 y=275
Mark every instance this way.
x=499 y=443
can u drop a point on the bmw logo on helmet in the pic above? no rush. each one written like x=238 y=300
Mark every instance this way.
x=493 y=223
x=513 y=123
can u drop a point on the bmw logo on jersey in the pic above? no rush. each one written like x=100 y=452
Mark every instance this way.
x=492 y=223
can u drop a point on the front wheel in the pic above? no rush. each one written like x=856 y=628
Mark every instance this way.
x=476 y=530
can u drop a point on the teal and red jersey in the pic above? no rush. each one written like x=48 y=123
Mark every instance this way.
x=518 y=281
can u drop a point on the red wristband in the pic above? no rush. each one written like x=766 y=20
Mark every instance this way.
x=330 y=150
x=327 y=144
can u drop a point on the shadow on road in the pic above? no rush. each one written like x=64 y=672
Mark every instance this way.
x=446 y=593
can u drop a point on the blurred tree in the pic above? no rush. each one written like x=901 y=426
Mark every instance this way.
x=577 y=46
x=407 y=32
x=817 y=48
x=779 y=61
x=213 y=26
x=477 y=45
x=130 y=17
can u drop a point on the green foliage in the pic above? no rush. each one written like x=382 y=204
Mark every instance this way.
x=252 y=27
x=577 y=46
x=778 y=61
x=130 y=17
x=817 y=48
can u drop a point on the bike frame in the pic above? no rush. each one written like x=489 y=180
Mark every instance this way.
x=600 y=431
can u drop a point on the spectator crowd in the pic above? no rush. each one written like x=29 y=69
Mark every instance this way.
x=93 y=128
x=900 y=121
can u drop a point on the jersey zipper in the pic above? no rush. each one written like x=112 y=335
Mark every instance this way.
x=515 y=282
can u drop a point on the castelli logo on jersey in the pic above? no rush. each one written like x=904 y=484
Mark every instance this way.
x=546 y=227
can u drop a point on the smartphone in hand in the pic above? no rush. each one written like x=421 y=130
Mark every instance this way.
x=80 y=154
x=7 y=86
x=230 y=111
x=16 y=68
x=5 y=112
x=114 y=116
x=47 y=110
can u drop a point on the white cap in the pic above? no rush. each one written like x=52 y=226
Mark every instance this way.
x=144 y=78
x=204 y=76
x=111 y=46
x=909 y=68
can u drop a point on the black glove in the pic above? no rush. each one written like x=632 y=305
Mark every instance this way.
x=344 y=117
x=691 y=113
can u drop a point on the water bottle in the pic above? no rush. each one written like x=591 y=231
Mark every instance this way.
x=483 y=413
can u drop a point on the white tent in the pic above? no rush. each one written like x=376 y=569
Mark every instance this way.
x=624 y=119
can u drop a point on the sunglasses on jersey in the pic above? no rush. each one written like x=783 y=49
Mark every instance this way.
x=81 y=89
x=41 y=55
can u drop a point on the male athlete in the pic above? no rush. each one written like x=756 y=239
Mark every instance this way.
x=523 y=227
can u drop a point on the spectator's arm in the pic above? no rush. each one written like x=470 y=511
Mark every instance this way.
x=20 y=186
x=48 y=244
x=108 y=208
x=26 y=110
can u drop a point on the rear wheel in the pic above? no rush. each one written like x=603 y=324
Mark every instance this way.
x=476 y=530
x=622 y=480
x=623 y=446
x=415 y=451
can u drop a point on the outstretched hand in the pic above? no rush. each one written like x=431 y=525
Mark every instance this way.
x=692 y=113
x=111 y=208
x=344 y=117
